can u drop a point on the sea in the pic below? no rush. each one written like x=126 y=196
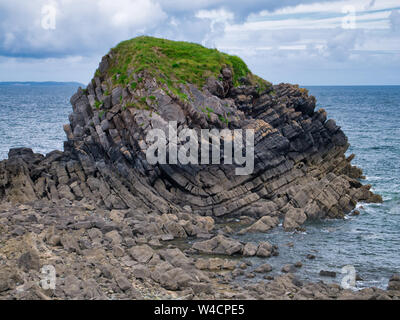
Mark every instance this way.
x=32 y=115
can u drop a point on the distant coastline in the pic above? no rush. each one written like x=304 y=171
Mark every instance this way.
x=34 y=83
x=73 y=83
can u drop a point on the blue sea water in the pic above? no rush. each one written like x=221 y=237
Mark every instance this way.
x=32 y=116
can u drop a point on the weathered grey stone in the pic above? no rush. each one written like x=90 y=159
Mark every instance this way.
x=142 y=253
x=29 y=261
x=294 y=218
x=264 y=250
x=219 y=245
x=250 y=249
x=264 y=268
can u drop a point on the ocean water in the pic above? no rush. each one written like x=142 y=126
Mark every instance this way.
x=32 y=116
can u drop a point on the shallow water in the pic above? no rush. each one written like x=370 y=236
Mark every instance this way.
x=32 y=116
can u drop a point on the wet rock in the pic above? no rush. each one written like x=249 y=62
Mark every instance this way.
x=264 y=268
x=288 y=268
x=394 y=283
x=243 y=266
x=250 y=249
x=325 y=273
x=265 y=250
x=355 y=213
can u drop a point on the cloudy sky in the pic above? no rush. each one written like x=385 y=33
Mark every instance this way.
x=300 y=41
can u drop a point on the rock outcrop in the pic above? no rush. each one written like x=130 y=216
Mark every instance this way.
x=301 y=171
x=115 y=198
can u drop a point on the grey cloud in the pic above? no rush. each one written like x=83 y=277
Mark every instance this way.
x=82 y=27
x=340 y=46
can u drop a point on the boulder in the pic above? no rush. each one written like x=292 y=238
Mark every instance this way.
x=394 y=283
x=219 y=245
x=9 y=279
x=264 y=224
x=142 y=253
x=294 y=218
x=264 y=250
x=264 y=268
x=325 y=273
x=29 y=261
x=250 y=249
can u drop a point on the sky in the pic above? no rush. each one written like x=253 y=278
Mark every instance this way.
x=309 y=42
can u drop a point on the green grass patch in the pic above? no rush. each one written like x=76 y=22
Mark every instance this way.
x=173 y=63
x=98 y=104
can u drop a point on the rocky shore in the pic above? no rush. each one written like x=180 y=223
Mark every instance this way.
x=115 y=227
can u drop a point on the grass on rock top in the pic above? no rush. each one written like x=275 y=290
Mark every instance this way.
x=173 y=63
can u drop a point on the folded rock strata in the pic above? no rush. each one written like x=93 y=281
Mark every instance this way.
x=301 y=171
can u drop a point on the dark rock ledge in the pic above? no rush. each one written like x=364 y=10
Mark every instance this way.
x=102 y=215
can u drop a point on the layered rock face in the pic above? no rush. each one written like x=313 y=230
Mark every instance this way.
x=301 y=171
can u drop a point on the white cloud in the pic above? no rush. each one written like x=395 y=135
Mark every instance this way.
x=220 y=15
x=129 y=13
x=82 y=27
x=219 y=20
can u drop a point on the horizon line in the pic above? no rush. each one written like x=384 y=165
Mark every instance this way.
x=305 y=85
